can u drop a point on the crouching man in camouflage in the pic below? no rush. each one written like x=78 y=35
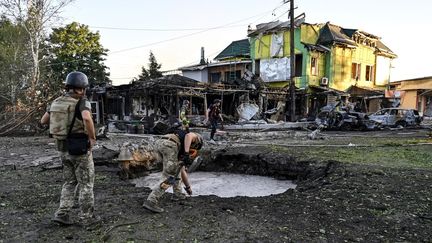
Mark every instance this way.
x=175 y=149
x=78 y=170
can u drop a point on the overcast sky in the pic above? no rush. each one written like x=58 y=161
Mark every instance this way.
x=176 y=30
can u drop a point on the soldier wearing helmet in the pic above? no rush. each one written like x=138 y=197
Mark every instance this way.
x=178 y=150
x=71 y=114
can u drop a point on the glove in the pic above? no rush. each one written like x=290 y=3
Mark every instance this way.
x=187 y=160
x=188 y=190
x=193 y=153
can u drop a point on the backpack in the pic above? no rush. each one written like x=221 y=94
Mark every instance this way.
x=61 y=114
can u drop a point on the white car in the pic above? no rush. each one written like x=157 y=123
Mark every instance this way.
x=397 y=117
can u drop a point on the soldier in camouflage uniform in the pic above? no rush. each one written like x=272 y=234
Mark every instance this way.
x=78 y=170
x=174 y=147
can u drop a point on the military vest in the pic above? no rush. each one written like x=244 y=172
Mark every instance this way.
x=61 y=114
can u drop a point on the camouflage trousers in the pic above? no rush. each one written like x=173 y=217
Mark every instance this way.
x=78 y=175
x=169 y=151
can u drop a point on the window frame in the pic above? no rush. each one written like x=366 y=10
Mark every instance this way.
x=370 y=73
x=356 y=71
x=215 y=75
x=314 y=66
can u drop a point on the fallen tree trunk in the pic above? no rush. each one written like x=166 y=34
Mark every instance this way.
x=14 y=124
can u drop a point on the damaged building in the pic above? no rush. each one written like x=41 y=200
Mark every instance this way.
x=413 y=94
x=331 y=63
x=138 y=106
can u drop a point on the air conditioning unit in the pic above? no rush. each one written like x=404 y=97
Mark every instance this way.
x=324 y=81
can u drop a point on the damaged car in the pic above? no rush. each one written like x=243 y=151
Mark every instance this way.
x=332 y=119
x=397 y=117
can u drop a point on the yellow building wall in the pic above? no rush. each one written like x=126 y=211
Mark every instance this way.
x=315 y=79
x=262 y=47
x=412 y=88
x=418 y=84
x=342 y=59
x=309 y=33
x=409 y=100
x=284 y=84
x=287 y=45
x=364 y=55
x=263 y=43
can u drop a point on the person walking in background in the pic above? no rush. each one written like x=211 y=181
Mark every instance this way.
x=213 y=115
x=183 y=115
x=70 y=114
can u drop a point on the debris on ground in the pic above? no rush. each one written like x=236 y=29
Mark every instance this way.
x=375 y=189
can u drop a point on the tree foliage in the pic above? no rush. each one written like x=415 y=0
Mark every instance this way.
x=35 y=17
x=13 y=62
x=75 y=48
x=152 y=71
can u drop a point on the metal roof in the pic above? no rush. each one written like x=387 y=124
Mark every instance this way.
x=239 y=48
x=334 y=34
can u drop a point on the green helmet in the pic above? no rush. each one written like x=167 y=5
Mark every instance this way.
x=77 y=80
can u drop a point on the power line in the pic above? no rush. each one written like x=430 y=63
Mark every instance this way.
x=273 y=12
x=178 y=29
x=191 y=34
x=228 y=25
x=162 y=41
x=146 y=29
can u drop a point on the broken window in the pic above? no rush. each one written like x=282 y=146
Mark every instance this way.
x=298 y=65
x=229 y=76
x=355 y=71
x=314 y=66
x=257 y=67
x=215 y=77
x=95 y=111
x=369 y=73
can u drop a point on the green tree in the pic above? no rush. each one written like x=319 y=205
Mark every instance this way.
x=35 y=16
x=144 y=74
x=75 y=48
x=152 y=71
x=13 y=63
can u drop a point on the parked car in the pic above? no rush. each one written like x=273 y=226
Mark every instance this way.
x=397 y=117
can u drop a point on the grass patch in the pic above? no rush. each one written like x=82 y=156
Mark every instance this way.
x=389 y=156
x=394 y=152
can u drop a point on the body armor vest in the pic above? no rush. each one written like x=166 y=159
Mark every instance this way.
x=62 y=111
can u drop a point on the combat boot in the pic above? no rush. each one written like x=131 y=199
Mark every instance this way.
x=178 y=197
x=90 y=221
x=62 y=219
x=149 y=205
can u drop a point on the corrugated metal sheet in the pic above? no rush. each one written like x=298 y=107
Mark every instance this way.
x=240 y=48
x=331 y=34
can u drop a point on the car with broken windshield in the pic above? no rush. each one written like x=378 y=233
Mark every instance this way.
x=397 y=117
x=332 y=119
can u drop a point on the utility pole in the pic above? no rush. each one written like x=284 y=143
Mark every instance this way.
x=292 y=63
